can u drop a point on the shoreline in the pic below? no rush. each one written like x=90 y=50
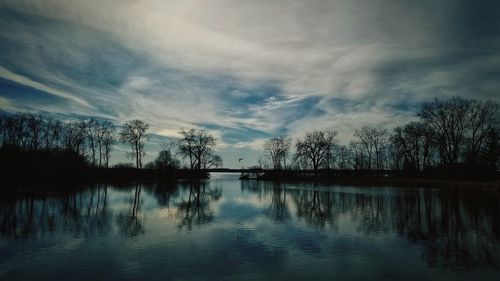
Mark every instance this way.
x=73 y=179
x=427 y=183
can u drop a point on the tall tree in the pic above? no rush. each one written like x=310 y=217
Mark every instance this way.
x=105 y=141
x=459 y=127
x=316 y=148
x=412 y=146
x=51 y=133
x=92 y=133
x=134 y=133
x=197 y=146
x=491 y=151
x=278 y=148
x=344 y=154
x=482 y=119
x=74 y=137
x=373 y=141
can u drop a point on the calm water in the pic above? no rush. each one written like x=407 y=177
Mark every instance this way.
x=224 y=229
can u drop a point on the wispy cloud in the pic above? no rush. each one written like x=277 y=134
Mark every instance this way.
x=8 y=75
x=246 y=70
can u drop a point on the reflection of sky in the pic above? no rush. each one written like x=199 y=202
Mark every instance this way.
x=242 y=242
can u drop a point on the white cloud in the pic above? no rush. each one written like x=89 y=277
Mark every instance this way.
x=372 y=53
x=8 y=75
x=256 y=144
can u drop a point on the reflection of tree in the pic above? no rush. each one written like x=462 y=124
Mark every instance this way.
x=278 y=209
x=369 y=212
x=316 y=207
x=196 y=208
x=130 y=223
x=164 y=192
x=456 y=229
x=25 y=215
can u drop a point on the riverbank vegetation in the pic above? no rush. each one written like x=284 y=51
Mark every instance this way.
x=453 y=138
x=36 y=149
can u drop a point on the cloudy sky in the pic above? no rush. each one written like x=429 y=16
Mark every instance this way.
x=245 y=70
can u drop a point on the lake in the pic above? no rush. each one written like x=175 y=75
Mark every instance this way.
x=226 y=229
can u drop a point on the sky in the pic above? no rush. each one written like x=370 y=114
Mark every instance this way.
x=245 y=70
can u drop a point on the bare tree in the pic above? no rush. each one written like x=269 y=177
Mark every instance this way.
x=446 y=124
x=210 y=160
x=459 y=127
x=197 y=146
x=92 y=134
x=482 y=119
x=108 y=140
x=344 y=155
x=316 y=148
x=490 y=153
x=260 y=162
x=34 y=125
x=17 y=133
x=105 y=140
x=134 y=133
x=278 y=148
x=359 y=158
x=52 y=133
x=74 y=137
x=412 y=146
x=373 y=141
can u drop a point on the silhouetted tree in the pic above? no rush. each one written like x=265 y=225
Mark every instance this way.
x=51 y=133
x=446 y=123
x=210 y=160
x=491 y=151
x=105 y=141
x=358 y=155
x=373 y=142
x=482 y=119
x=197 y=146
x=459 y=127
x=74 y=137
x=34 y=125
x=92 y=133
x=166 y=161
x=316 y=148
x=134 y=133
x=412 y=146
x=344 y=155
x=277 y=148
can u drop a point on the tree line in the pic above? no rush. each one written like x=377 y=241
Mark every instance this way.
x=92 y=140
x=195 y=146
x=449 y=134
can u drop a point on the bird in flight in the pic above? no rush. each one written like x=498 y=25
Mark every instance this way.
x=239 y=159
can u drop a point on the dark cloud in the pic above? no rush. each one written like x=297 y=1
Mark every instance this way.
x=247 y=70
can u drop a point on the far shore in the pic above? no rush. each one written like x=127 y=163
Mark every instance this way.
x=472 y=185
x=64 y=179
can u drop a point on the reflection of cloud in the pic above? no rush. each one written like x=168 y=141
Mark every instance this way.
x=238 y=211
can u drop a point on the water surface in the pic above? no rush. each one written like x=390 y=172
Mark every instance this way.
x=226 y=229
